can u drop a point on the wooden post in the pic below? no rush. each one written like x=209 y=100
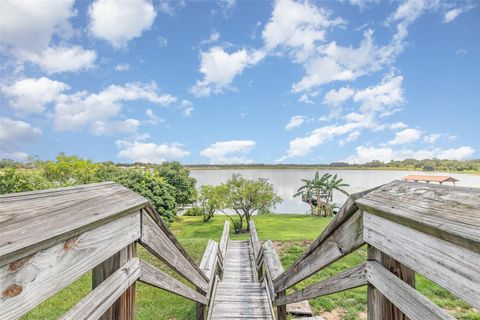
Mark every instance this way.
x=379 y=307
x=201 y=308
x=281 y=310
x=124 y=307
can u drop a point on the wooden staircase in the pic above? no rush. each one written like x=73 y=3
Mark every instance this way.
x=239 y=295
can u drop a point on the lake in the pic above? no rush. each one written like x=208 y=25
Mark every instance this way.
x=286 y=182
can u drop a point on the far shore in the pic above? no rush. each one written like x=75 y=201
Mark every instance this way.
x=314 y=167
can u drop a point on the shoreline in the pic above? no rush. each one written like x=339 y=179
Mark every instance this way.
x=314 y=167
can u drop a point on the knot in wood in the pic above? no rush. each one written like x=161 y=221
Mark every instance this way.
x=70 y=243
x=12 y=291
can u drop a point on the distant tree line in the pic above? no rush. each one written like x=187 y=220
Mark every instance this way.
x=167 y=186
x=407 y=164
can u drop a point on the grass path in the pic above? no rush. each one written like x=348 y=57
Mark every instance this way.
x=291 y=235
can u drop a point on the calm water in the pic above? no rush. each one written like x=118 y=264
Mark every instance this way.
x=286 y=182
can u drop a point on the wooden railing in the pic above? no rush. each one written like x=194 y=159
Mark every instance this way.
x=49 y=239
x=408 y=227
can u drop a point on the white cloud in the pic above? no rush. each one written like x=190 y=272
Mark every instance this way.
x=406 y=136
x=29 y=25
x=398 y=125
x=153 y=118
x=80 y=110
x=382 y=97
x=219 y=69
x=63 y=59
x=122 y=67
x=27 y=31
x=299 y=147
x=118 y=22
x=337 y=63
x=297 y=26
x=214 y=37
x=335 y=98
x=187 y=108
x=100 y=127
x=352 y=136
x=432 y=138
x=295 y=122
x=362 y=3
x=454 y=13
x=150 y=152
x=14 y=132
x=31 y=95
x=232 y=151
x=386 y=154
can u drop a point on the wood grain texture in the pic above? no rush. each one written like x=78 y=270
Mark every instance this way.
x=238 y=295
x=378 y=306
x=451 y=266
x=149 y=210
x=124 y=307
x=406 y=298
x=50 y=270
x=446 y=212
x=346 y=211
x=345 y=239
x=37 y=220
x=97 y=302
x=254 y=240
x=349 y=279
x=224 y=239
x=152 y=276
x=157 y=242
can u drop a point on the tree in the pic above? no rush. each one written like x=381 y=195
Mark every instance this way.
x=318 y=192
x=330 y=185
x=13 y=180
x=246 y=197
x=211 y=199
x=179 y=177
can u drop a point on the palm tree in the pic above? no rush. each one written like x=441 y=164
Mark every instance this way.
x=318 y=192
x=334 y=184
x=313 y=191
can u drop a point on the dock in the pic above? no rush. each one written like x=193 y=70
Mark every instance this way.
x=50 y=238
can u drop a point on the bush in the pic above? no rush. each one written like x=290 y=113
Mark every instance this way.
x=194 y=212
x=167 y=186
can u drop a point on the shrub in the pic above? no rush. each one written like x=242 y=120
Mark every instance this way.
x=194 y=212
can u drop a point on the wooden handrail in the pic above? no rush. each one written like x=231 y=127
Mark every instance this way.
x=432 y=230
x=50 y=238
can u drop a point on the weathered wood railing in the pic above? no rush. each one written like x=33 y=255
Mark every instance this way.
x=408 y=227
x=49 y=239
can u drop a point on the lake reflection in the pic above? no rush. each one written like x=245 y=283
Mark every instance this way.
x=286 y=182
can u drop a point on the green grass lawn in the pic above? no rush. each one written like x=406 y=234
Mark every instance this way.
x=291 y=235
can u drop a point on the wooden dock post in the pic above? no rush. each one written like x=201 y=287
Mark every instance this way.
x=124 y=307
x=379 y=307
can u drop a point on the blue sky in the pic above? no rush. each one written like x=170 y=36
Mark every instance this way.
x=240 y=81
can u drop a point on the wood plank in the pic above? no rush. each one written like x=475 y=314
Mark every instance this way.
x=208 y=265
x=272 y=260
x=50 y=270
x=160 y=245
x=378 y=306
x=98 y=301
x=254 y=240
x=349 y=279
x=451 y=266
x=124 y=307
x=166 y=231
x=224 y=239
x=49 y=217
x=448 y=213
x=406 y=298
x=152 y=276
x=348 y=209
x=345 y=239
